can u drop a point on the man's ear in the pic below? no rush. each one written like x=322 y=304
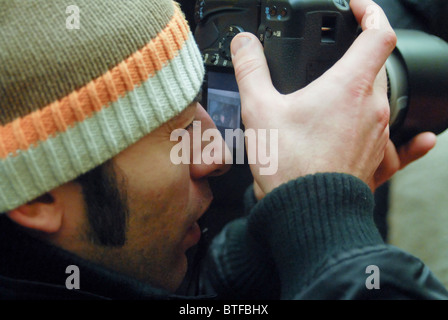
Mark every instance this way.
x=43 y=214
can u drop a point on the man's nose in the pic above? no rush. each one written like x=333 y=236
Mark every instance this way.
x=211 y=155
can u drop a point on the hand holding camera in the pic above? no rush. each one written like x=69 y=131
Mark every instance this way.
x=339 y=123
x=340 y=119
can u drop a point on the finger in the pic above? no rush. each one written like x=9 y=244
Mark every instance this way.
x=389 y=166
x=251 y=69
x=372 y=47
x=419 y=146
x=369 y=14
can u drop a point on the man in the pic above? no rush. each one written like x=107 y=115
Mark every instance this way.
x=90 y=99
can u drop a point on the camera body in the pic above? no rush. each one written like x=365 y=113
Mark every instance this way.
x=304 y=38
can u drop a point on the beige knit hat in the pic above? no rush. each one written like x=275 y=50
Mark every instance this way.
x=72 y=98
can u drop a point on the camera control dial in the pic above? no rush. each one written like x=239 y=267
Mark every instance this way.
x=224 y=44
x=342 y=4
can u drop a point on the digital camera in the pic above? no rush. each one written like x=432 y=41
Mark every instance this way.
x=304 y=38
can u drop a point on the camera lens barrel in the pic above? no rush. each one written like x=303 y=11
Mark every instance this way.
x=418 y=70
x=397 y=89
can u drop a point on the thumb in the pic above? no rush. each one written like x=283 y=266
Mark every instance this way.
x=251 y=69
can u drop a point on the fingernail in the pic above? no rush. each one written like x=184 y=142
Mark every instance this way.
x=238 y=43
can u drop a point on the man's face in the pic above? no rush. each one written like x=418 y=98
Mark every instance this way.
x=165 y=202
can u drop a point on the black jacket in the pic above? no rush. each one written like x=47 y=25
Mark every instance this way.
x=314 y=238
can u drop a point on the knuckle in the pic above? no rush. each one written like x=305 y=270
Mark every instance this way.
x=361 y=88
x=389 y=38
x=383 y=114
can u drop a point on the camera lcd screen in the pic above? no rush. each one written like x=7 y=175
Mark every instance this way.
x=223 y=101
x=224 y=107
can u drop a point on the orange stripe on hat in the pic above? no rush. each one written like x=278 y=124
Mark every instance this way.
x=60 y=115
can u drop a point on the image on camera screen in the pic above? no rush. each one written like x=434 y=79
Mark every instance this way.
x=223 y=101
x=224 y=108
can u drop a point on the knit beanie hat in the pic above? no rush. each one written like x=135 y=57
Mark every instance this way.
x=81 y=80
